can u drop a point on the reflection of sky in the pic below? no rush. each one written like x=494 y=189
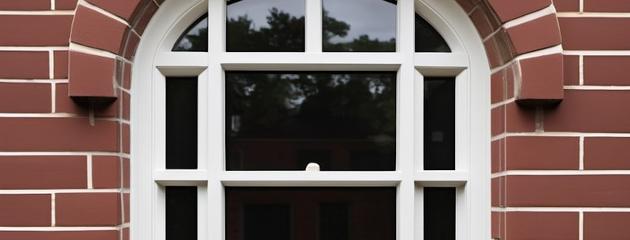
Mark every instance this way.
x=376 y=18
x=185 y=43
x=258 y=10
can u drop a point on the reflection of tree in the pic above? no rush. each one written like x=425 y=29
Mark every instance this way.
x=284 y=33
x=335 y=28
x=313 y=105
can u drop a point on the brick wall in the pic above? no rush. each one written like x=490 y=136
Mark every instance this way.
x=64 y=166
x=561 y=131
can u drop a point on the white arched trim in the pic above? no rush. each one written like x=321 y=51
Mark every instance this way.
x=468 y=62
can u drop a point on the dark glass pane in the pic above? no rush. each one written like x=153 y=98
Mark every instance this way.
x=195 y=38
x=428 y=39
x=181 y=123
x=439 y=124
x=310 y=213
x=359 y=26
x=333 y=221
x=439 y=213
x=265 y=25
x=267 y=221
x=282 y=121
x=181 y=213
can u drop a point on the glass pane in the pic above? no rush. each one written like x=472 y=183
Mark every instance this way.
x=181 y=213
x=265 y=25
x=195 y=38
x=310 y=213
x=359 y=25
x=181 y=123
x=439 y=213
x=282 y=121
x=428 y=39
x=439 y=123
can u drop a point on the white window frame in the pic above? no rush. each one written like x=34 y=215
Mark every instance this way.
x=154 y=60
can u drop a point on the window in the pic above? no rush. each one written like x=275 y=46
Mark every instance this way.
x=310 y=119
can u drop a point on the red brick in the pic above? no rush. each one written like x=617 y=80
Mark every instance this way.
x=126 y=172
x=567 y=5
x=568 y=191
x=509 y=9
x=536 y=34
x=542 y=225
x=121 y=8
x=125 y=235
x=65 y=104
x=594 y=33
x=127 y=76
x=126 y=105
x=607 y=6
x=91 y=76
x=606 y=225
x=25 y=210
x=483 y=23
x=606 y=70
x=126 y=206
x=518 y=119
x=498 y=224
x=88 y=209
x=571 y=70
x=60 y=235
x=126 y=133
x=497 y=192
x=35 y=30
x=65 y=4
x=542 y=153
x=467 y=5
x=25 y=97
x=61 y=64
x=58 y=134
x=497 y=86
x=24 y=65
x=43 y=172
x=28 y=5
x=498 y=120
x=106 y=172
x=498 y=49
x=607 y=153
x=590 y=111
x=497 y=153
x=542 y=78
x=97 y=30
x=145 y=13
x=131 y=44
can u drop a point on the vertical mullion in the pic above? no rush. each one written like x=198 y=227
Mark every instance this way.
x=313 y=28
x=215 y=149
x=406 y=120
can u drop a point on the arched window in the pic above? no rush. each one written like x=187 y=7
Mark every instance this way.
x=310 y=119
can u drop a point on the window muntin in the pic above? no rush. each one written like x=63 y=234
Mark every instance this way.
x=423 y=64
x=265 y=26
x=343 y=121
x=359 y=25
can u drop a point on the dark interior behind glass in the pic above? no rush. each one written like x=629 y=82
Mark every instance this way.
x=439 y=123
x=181 y=122
x=282 y=121
x=310 y=213
x=181 y=213
x=439 y=213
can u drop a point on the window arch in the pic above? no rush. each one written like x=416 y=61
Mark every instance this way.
x=451 y=65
